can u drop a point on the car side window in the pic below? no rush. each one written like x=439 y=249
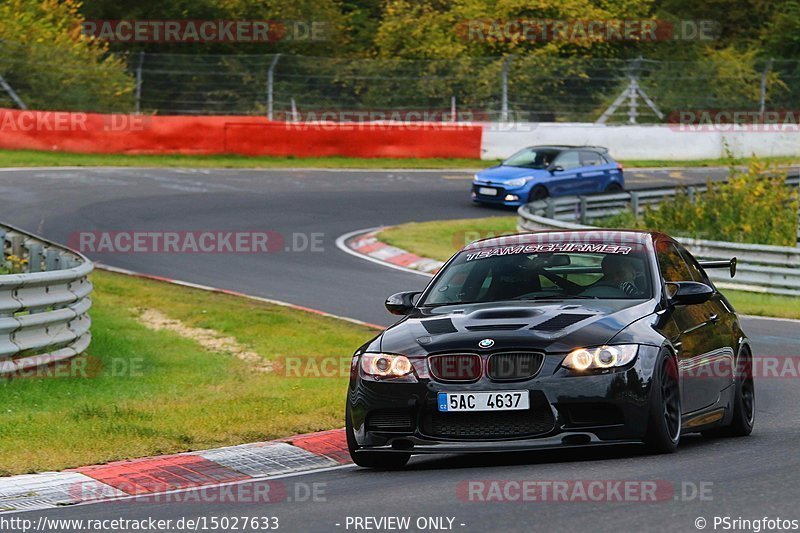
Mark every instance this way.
x=697 y=272
x=591 y=159
x=672 y=265
x=568 y=160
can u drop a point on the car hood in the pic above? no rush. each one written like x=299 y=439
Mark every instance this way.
x=501 y=173
x=550 y=326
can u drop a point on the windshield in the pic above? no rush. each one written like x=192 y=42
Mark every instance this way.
x=588 y=270
x=532 y=158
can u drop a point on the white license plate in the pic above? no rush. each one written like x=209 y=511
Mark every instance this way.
x=512 y=400
x=486 y=191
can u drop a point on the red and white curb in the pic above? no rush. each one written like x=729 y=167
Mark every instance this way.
x=151 y=478
x=366 y=245
x=210 y=470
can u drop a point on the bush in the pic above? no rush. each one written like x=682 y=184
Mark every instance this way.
x=52 y=66
x=754 y=206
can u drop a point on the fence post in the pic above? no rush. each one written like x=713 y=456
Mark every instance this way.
x=504 y=89
x=52 y=259
x=35 y=255
x=798 y=219
x=550 y=210
x=12 y=93
x=270 y=80
x=635 y=203
x=582 y=209
x=139 y=67
x=17 y=246
x=763 y=101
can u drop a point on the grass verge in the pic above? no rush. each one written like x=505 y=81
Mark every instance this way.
x=140 y=392
x=36 y=158
x=721 y=162
x=441 y=239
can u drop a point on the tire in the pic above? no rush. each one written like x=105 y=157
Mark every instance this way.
x=538 y=193
x=664 y=424
x=744 y=402
x=613 y=187
x=377 y=460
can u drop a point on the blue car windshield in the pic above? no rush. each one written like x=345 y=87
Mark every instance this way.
x=531 y=158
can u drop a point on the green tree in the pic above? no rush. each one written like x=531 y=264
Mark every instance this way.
x=51 y=65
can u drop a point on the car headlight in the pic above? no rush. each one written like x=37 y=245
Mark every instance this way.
x=385 y=366
x=518 y=182
x=600 y=357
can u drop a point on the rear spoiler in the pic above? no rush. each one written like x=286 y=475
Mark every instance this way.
x=731 y=264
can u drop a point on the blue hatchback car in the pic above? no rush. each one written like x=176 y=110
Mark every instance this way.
x=536 y=172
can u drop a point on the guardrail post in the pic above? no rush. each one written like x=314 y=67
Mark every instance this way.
x=690 y=192
x=583 y=210
x=52 y=260
x=17 y=246
x=35 y=256
x=635 y=203
x=550 y=210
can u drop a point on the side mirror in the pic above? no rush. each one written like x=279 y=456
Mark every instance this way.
x=688 y=293
x=401 y=303
x=555 y=168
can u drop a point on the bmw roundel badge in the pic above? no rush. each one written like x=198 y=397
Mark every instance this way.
x=486 y=343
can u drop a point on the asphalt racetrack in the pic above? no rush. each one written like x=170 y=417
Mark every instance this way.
x=749 y=478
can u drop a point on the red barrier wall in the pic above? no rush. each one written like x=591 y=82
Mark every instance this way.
x=138 y=134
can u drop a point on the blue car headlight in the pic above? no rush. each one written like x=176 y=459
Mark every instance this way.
x=517 y=182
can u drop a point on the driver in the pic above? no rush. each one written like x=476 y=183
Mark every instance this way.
x=619 y=272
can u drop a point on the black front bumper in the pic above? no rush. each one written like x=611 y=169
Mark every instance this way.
x=565 y=410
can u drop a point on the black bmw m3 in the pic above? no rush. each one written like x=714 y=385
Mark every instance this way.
x=553 y=339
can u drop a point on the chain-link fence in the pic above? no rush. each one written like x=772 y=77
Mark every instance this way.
x=529 y=88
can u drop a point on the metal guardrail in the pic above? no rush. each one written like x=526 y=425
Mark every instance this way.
x=761 y=268
x=584 y=209
x=44 y=307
